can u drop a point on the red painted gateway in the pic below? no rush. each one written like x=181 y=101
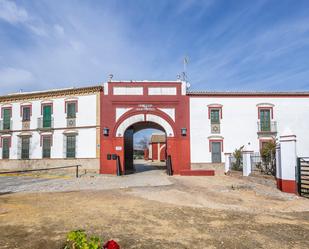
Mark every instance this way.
x=128 y=107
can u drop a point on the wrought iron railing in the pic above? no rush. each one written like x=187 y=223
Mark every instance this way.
x=267 y=126
x=6 y=125
x=45 y=123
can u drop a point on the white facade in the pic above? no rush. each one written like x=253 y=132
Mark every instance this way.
x=238 y=125
x=85 y=126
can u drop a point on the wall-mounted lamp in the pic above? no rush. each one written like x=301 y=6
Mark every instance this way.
x=183 y=131
x=105 y=131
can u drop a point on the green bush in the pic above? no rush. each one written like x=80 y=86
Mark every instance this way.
x=237 y=154
x=78 y=240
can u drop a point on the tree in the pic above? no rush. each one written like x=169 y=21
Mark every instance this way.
x=143 y=143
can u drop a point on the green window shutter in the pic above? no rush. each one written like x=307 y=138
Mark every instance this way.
x=71 y=146
x=46 y=146
x=6 y=119
x=5 y=148
x=47 y=116
x=215 y=116
x=26 y=113
x=25 y=147
x=265 y=119
x=71 y=110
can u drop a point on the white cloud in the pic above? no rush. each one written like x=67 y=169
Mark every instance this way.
x=11 y=13
x=15 y=77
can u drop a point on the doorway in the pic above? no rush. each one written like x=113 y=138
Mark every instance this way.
x=216 y=152
x=144 y=148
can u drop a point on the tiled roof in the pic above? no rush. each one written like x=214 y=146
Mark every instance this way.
x=251 y=93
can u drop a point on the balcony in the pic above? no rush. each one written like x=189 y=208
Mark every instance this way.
x=267 y=127
x=215 y=126
x=6 y=125
x=45 y=123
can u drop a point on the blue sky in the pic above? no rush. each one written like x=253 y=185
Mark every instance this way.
x=231 y=45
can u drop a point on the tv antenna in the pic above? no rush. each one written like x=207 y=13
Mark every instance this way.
x=185 y=64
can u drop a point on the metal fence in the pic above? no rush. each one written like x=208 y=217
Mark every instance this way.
x=263 y=165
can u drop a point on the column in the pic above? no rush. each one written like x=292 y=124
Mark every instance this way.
x=227 y=165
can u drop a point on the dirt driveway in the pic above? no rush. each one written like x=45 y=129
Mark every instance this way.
x=186 y=212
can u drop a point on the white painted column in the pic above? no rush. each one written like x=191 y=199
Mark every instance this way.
x=227 y=165
x=246 y=160
x=286 y=179
x=278 y=164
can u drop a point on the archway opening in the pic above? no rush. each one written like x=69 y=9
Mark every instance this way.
x=144 y=148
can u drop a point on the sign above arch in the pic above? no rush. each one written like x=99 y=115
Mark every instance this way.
x=144 y=118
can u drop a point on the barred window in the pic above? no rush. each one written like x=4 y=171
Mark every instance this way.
x=26 y=111
x=71 y=146
x=5 y=148
x=25 y=147
x=71 y=110
x=46 y=146
x=215 y=116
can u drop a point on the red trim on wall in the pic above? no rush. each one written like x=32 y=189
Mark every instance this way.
x=47 y=104
x=266 y=108
x=215 y=108
x=45 y=135
x=70 y=101
x=216 y=140
x=22 y=107
x=6 y=108
x=288 y=186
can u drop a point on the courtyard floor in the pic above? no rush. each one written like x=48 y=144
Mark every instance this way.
x=152 y=210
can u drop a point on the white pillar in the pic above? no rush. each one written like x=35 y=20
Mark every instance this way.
x=227 y=165
x=286 y=180
x=246 y=160
x=278 y=164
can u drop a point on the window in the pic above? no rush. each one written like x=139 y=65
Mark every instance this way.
x=5 y=148
x=265 y=119
x=25 y=147
x=215 y=116
x=71 y=146
x=47 y=111
x=46 y=146
x=71 y=109
x=26 y=113
x=7 y=112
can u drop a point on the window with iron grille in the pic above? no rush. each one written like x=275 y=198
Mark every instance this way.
x=5 y=148
x=26 y=112
x=25 y=147
x=215 y=116
x=46 y=146
x=71 y=146
x=71 y=110
x=7 y=119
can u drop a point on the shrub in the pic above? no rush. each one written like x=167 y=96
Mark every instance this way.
x=237 y=154
x=268 y=154
x=78 y=240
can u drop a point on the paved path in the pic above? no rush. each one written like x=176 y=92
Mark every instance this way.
x=146 y=176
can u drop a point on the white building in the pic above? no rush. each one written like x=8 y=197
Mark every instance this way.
x=221 y=122
x=51 y=128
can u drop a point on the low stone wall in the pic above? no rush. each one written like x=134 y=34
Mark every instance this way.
x=92 y=164
x=217 y=167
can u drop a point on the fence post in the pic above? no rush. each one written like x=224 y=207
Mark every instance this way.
x=246 y=160
x=77 y=171
x=227 y=165
x=287 y=179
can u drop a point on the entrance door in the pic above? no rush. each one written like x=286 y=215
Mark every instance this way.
x=216 y=152
x=128 y=151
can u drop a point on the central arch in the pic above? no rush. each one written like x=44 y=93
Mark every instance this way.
x=154 y=162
